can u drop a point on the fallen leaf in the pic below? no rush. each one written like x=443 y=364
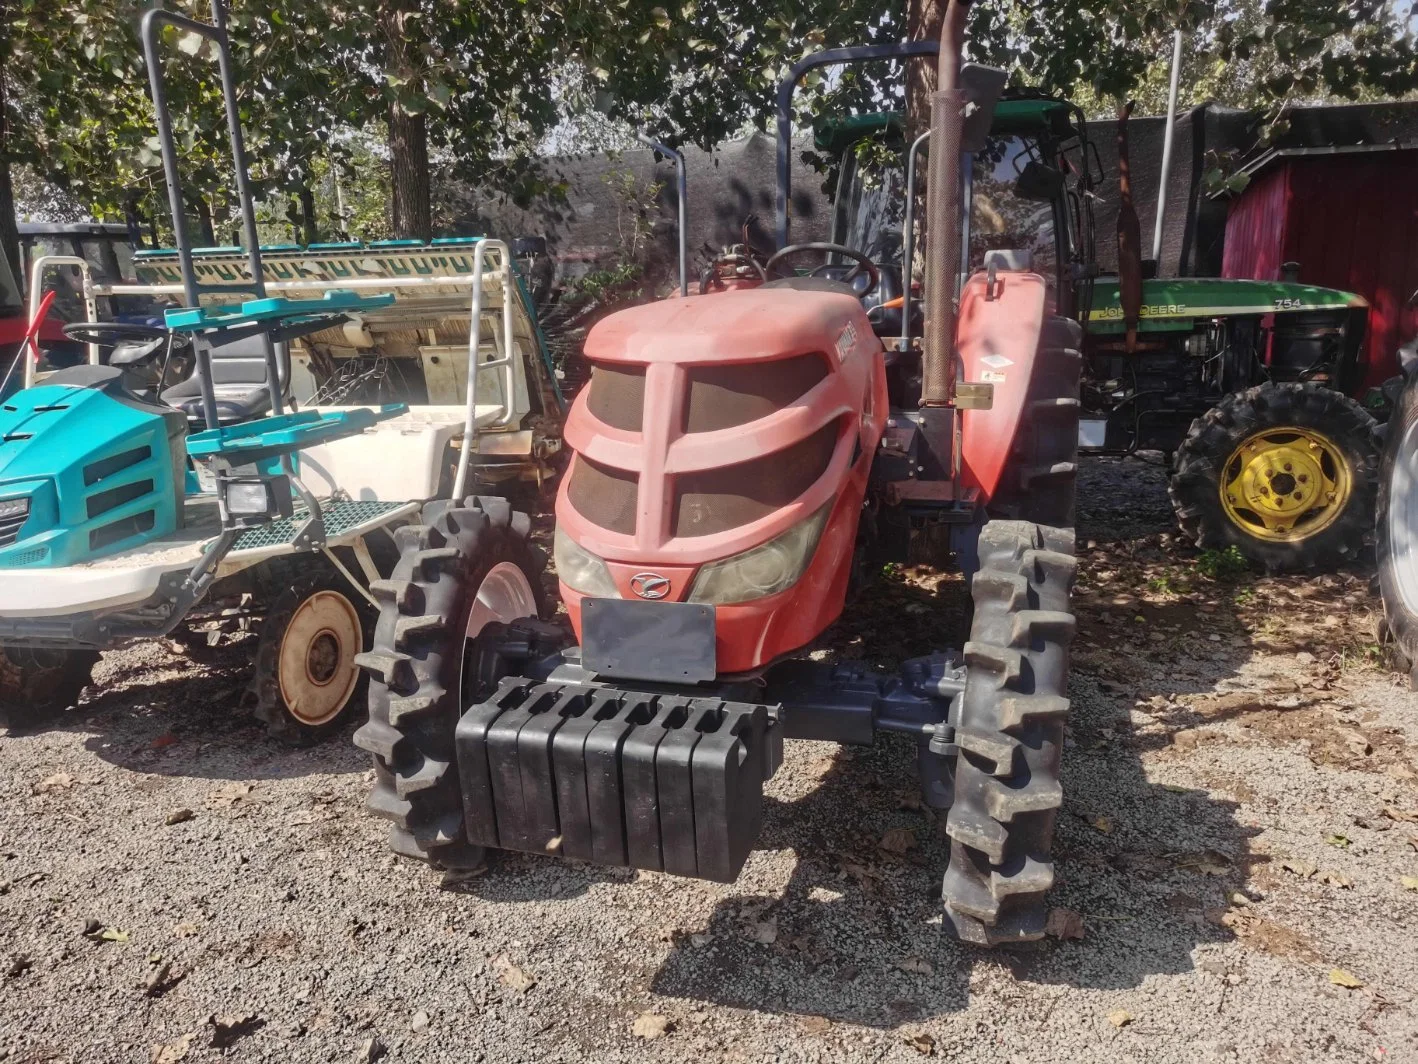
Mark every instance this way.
x=1339 y=977
x=1303 y=869
x=179 y=816
x=1334 y=879
x=816 y=1024
x=230 y=794
x=1208 y=863
x=916 y=966
x=1409 y=882
x=651 y=1025
x=227 y=1029
x=372 y=1050
x=185 y=930
x=1174 y=788
x=898 y=841
x=1103 y=824
x=921 y=1042
x=173 y=1051
x=511 y=975
x=1403 y=816
x=1120 y=1018
x=701 y=938
x=1340 y=841
x=909 y=800
x=60 y=781
x=99 y=933
x=1064 y=924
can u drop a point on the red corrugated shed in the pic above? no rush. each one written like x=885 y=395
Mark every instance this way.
x=1351 y=222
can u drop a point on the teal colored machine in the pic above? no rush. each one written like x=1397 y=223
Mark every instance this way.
x=131 y=502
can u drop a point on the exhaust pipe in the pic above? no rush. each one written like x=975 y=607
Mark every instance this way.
x=943 y=211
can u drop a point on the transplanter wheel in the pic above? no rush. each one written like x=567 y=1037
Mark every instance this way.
x=1283 y=472
x=1398 y=525
x=464 y=568
x=38 y=685
x=306 y=676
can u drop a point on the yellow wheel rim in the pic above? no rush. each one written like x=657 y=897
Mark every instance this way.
x=1286 y=484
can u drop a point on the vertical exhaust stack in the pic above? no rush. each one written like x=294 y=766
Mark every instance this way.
x=943 y=211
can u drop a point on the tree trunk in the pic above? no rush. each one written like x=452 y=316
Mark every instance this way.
x=408 y=152
x=310 y=228
x=9 y=230
x=207 y=231
x=924 y=19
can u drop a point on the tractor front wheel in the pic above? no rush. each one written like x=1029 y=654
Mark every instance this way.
x=37 y=685
x=1010 y=734
x=1284 y=473
x=464 y=567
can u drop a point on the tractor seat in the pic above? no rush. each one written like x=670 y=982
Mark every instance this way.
x=238 y=379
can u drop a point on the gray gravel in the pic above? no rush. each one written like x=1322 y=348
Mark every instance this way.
x=1241 y=811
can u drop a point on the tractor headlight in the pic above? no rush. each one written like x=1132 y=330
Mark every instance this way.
x=580 y=570
x=10 y=509
x=765 y=570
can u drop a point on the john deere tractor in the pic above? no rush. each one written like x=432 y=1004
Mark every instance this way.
x=736 y=456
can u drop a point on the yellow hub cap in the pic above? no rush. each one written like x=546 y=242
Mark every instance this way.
x=1286 y=484
x=317 y=669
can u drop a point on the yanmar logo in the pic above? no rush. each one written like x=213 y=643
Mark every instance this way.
x=651 y=586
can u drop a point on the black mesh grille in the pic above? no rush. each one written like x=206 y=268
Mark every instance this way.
x=722 y=397
x=720 y=499
x=604 y=496
x=617 y=396
x=106 y=467
x=119 y=530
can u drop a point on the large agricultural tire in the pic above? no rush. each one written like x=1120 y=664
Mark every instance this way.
x=1040 y=483
x=462 y=567
x=305 y=678
x=1398 y=525
x=1284 y=473
x=38 y=685
x=1010 y=734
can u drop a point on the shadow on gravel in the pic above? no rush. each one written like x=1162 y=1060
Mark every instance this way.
x=856 y=935
x=154 y=712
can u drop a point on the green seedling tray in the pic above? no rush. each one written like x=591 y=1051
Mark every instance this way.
x=267 y=437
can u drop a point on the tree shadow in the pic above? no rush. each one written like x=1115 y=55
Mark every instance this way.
x=856 y=934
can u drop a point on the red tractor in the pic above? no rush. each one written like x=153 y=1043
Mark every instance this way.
x=741 y=458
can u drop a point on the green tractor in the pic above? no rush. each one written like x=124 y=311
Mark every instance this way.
x=1246 y=385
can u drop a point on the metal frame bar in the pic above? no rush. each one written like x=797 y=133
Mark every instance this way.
x=682 y=199
x=37 y=291
x=152 y=26
x=351 y=284
x=908 y=238
x=504 y=360
x=786 y=88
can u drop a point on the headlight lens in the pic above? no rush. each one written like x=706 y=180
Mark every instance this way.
x=766 y=570
x=581 y=570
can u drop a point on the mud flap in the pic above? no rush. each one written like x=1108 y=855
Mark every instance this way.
x=662 y=782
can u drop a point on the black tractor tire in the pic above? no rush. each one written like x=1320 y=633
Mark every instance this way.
x=1200 y=468
x=266 y=695
x=1010 y=731
x=1040 y=483
x=38 y=685
x=418 y=685
x=1398 y=526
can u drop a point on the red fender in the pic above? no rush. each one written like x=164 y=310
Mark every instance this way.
x=998 y=339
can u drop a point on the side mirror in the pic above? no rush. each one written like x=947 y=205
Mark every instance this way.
x=983 y=86
x=1040 y=182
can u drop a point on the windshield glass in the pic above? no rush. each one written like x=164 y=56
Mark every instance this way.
x=869 y=212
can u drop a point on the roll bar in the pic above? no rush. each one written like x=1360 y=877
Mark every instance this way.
x=41 y=264
x=682 y=200
x=865 y=53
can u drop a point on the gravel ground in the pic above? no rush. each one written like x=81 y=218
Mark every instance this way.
x=1241 y=813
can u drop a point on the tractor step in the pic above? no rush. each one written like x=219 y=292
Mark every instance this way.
x=668 y=783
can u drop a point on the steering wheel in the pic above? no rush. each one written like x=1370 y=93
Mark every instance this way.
x=863 y=264
x=112 y=333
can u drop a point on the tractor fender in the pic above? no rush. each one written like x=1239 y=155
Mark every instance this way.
x=1001 y=320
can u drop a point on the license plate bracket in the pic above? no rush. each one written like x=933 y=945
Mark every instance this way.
x=659 y=642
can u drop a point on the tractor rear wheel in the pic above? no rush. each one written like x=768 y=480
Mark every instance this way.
x=37 y=685
x=1398 y=525
x=1284 y=473
x=463 y=567
x=1010 y=734
x=306 y=677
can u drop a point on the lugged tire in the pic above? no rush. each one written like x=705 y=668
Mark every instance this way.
x=38 y=685
x=1010 y=734
x=1398 y=525
x=1041 y=480
x=1197 y=471
x=416 y=668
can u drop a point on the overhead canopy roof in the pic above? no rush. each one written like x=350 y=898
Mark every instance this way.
x=1028 y=116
